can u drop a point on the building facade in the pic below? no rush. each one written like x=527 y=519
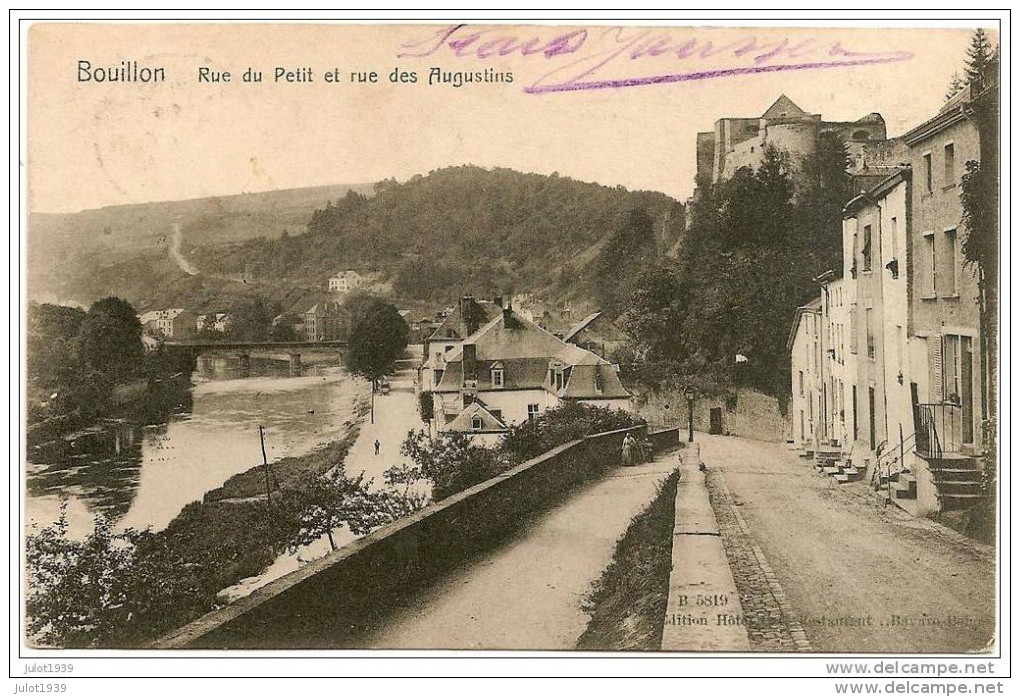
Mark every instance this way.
x=805 y=359
x=344 y=282
x=173 y=323
x=324 y=321
x=875 y=227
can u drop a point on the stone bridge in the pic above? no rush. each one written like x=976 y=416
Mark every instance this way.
x=284 y=350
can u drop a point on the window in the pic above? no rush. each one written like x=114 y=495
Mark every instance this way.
x=869 y=329
x=598 y=381
x=853 y=390
x=866 y=250
x=853 y=327
x=894 y=243
x=532 y=411
x=951 y=274
x=853 y=252
x=497 y=377
x=800 y=383
x=929 y=281
x=950 y=164
x=476 y=423
x=899 y=349
x=927 y=172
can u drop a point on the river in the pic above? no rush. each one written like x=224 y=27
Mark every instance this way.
x=142 y=476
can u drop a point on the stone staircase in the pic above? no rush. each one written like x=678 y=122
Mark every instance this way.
x=957 y=480
x=832 y=462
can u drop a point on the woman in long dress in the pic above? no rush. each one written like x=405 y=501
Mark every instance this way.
x=628 y=450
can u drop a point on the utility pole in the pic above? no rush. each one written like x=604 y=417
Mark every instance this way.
x=265 y=461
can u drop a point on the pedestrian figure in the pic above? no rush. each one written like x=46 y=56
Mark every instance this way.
x=376 y=446
x=628 y=450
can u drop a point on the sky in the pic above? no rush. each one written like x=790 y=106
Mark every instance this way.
x=618 y=106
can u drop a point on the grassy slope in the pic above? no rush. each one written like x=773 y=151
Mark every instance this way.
x=627 y=603
x=79 y=256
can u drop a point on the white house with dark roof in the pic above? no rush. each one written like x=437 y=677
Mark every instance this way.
x=511 y=370
x=344 y=281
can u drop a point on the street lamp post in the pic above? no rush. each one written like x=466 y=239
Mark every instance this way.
x=689 y=394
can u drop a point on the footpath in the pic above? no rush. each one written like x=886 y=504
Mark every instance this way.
x=527 y=594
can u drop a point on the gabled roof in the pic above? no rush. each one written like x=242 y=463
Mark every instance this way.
x=490 y=422
x=580 y=326
x=594 y=382
x=783 y=108
x=813 y=307
x=454 y=325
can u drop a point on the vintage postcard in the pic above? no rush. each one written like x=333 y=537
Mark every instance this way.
x=547 y=336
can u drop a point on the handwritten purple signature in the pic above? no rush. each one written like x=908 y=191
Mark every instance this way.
x=616 y=57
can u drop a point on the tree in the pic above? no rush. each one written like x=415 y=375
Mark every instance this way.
x=331 y=502
x=251 y=319
x=50 y=345
x=93 y=592
x=747 y=261
x=982 y=61
x=378 y=338
x=630 y=250
x=110 y=338
x=956 y=83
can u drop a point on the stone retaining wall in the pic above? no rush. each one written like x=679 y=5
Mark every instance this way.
x=330 y=602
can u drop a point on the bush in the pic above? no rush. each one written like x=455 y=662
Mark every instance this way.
x=570 y=421
x=451 y=462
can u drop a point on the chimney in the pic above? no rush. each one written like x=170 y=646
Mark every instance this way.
x=469 y=361
x=468 y=315
x=508 y=316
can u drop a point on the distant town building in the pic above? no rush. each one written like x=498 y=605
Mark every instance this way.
x=325 y=321
x=344 y=282
x=174 y=323
x=596 y=333
x=214 y=322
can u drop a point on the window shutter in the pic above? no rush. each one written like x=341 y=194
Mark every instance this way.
x=935 y=380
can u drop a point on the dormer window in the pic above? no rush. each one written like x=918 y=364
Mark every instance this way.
x=476 y=423
x=497 y=375
x=556 y=380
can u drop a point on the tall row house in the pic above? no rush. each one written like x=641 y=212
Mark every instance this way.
x=944 y=313
x=898 y=378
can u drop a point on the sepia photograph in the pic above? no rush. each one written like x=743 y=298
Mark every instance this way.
x=643 y=339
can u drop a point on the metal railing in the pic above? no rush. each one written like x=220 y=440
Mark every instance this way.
x=887 y=460
x=938 y=428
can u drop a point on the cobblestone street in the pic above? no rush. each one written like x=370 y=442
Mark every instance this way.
x=828 y=568
x=768 y=626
